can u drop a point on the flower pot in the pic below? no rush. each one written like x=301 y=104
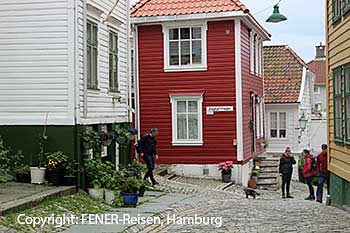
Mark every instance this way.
x=142 y=190
x=37 y=175
x=255 y=178
x=226 y=177
x=109 y=196
x=130 y=199
x=96 y=193
x=57 y=176
x=69 y=181
x=23 y=177
x=107 y=142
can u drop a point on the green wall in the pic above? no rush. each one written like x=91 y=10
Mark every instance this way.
x=340 y=192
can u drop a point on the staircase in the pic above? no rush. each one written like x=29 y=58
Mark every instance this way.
x=269 y=176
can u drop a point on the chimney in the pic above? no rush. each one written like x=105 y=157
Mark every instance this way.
x=320 y=51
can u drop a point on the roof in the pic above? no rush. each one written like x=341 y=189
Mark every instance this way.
x=318 y=67
x=283 y=73
x=146 y=8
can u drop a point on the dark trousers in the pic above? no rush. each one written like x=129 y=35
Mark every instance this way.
x=322 y=178
x=286 y=178
x=149 y=160
x=309 y=184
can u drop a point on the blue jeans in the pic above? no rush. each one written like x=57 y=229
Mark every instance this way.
x=322 y=178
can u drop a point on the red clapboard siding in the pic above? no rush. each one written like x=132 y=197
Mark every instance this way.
x=250 y=83
x=217 y=84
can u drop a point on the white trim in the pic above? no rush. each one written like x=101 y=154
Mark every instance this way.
x=188 y=97
x=53 y=119
x=278 y=128
x=256 y=46
x=239 y=111
x=302 y=88
x=209 y=16
x=318 y=90
x=136 y=84
x=251 y=51
x=260 y=58
x=180 y=68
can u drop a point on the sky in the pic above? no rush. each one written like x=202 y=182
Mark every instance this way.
x=304 y=29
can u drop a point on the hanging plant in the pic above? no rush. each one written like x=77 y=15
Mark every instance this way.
x=122 y=135
x=90 y=139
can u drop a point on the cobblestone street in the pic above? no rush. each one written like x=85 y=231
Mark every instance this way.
x=268 y=213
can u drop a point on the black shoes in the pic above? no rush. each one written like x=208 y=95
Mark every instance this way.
x=310 y=198
x=283 y=196
x=289 y=196
x=320 y=201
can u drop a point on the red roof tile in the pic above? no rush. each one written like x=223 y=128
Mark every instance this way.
x=283 y=71
x=318 y=67
x=145 y=8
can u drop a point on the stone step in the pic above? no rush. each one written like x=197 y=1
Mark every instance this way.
x=268 y=164
x=267 y=182
x=269 y=170
x=267 y=187
x=269 y=175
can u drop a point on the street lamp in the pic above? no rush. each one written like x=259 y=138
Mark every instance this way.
x=276 y=16
x=302 y=122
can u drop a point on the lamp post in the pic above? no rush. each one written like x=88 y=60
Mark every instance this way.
x=276 y=16
x=302 y=122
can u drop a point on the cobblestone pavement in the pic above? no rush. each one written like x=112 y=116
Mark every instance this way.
x=268 y=213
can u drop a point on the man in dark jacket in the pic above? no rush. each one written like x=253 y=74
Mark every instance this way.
x=323 y=173
x=148 y=144
x=286 y=169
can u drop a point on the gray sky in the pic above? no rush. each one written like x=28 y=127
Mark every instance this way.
x=304 y=29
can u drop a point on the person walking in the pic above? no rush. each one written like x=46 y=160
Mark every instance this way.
x=323 y=173
x=286 y=169
x=309 y=173
x=148 y=148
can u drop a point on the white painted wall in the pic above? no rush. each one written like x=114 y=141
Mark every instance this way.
x=101 y=105
x=34 y=63
x=318 y=134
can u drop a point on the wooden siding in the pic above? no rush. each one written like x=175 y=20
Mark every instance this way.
x=217 y=83
x=338 y=53
x=34 y=55
x=100 y=105
x=250 y=83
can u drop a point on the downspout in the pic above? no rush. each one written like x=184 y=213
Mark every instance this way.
x=113 y=8
x=76 y=83
x=128 y=61
x=136 y=77
x=85 y=62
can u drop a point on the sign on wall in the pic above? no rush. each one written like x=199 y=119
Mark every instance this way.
x=213 y=109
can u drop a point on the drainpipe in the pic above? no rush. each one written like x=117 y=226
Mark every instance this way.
x=114 y=6
x=128 y=60
x=136 y=88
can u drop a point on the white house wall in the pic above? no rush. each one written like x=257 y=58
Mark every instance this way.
x=35 y=69
x=100 y=105
x=277 y=145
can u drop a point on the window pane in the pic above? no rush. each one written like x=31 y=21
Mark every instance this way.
x=196 y=33
x=94 y=34
x=174 y=34
x=185 y=53
x=347 y=80
x=192 y=106
x=174 y=53
x=273 y=120
x=88 y=60
x=185 y=33
x=111 y=84
x=283 y=119
x=282 y=133
x=181 y=106
x=193 y=126
x=181 y=126
x=274 y=133
x=110 y=42
x=88 y=33
x=94 y=68
x=348 y=116
x=196 y=52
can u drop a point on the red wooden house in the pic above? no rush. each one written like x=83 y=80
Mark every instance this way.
x=199 y=79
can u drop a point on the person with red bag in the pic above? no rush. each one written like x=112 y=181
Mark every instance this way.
x=309 y=173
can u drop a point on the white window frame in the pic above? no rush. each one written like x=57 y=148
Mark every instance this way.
x=318 y=104
x=260 y=58
x=262 y=117
x=278 y=126
x=188 y=97
x=257 y=65
x=259 y=118
x=115 y=32
x=251 y=46
x=318 y=90
x=192 y=67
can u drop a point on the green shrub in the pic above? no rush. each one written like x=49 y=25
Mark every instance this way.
x=131 y=185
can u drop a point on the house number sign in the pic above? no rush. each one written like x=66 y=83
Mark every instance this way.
x=212 y=109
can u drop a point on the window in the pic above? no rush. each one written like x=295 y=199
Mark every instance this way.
x=113 y=62
x=187 y=119
x=347 y=101
x=92 y=44
x=336 y=11
x=257 y=56
x=259 y=118
x=338 y=103
x=317 y=90
x=185 y=48
x=346 y=6
x=251 y=46
x=278 y=125
x=318 y=107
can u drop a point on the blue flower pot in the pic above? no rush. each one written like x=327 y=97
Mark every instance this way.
x=130 y=199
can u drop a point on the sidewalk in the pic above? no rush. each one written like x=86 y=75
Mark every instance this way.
x=153 y=204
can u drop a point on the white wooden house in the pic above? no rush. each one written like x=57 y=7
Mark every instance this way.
x=288 y=88
x=64 y=63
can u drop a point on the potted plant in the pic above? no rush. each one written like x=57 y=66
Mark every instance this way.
x=23 y=174
x=109 y=189
x=129 y=190
x=265 y=144
x=254 y=174
x=107 y=138
x=69 y=178
x=135 y=168
x=90 y=139
x=56 y=165
x=37 y=172
x=226 y=170
x=123 y=136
